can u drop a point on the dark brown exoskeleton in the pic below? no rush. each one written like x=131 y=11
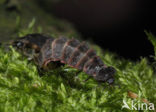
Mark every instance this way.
x=67 y=51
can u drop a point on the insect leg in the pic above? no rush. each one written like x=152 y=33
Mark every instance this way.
x=40 y=71
x=76 y=74
x=87 y=79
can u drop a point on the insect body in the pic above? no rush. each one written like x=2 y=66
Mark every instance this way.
x=68 y=51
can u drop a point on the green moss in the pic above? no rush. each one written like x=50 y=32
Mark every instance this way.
x=152 y=39
x=23 y=89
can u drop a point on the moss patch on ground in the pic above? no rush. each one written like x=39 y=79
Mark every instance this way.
x=23 y=89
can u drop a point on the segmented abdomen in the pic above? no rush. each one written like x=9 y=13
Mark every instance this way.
x=71 y=52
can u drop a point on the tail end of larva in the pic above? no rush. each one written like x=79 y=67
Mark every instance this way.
x=106 y=74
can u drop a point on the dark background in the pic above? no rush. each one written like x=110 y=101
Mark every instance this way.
x=114 y=25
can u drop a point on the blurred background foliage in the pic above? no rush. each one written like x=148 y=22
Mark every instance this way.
x=15 y=15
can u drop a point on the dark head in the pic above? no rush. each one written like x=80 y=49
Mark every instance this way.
x=34 y=41
x=19 y=44
x=105 y=74
x=23 y=46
